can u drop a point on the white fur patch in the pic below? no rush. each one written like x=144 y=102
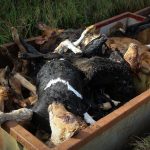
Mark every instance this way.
x=65 y=45
x=116 y=103
x=88 y=118
x=70 y=88
x=61 y=59
x=77 y=42
x=148 y=45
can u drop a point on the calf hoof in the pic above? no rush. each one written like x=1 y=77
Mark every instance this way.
x=23 y=114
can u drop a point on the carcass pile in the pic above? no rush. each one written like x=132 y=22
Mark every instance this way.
x=68 y=79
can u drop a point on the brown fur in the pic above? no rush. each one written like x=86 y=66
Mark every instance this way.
x=3 y=78
x=91 y=35
x=26 y=102
x=145 y=62
x=122 y=44
x=142 y=82
x=25 y=63
x=143 y=36
x=140 y=64
x=4 y=95
x=116 y=27
x=48 y=37
x=63 y=123
x=132 y=56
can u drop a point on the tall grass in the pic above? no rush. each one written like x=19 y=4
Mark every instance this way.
x=140 y=143
x=25 y=14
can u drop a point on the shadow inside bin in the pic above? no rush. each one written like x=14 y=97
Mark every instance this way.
x=4 y=59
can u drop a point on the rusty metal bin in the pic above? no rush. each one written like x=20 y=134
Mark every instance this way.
x=111 y=131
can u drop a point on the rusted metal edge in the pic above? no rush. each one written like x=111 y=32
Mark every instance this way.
x=143 y=12
x=23 y=136
x=104 y=123
x=118 y=17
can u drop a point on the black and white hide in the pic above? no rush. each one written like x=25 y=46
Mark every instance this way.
x=58 y=81
x=60 y=84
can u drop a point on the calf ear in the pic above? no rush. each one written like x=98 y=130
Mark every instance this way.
x=40 y=40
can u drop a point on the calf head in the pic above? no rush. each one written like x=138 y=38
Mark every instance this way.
x=48 y=33
x=63 y=123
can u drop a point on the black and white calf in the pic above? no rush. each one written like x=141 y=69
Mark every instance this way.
x=59 y=81
x=60 y=88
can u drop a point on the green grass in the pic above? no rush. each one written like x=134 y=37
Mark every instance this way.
x=141 y=143
x=25 y=14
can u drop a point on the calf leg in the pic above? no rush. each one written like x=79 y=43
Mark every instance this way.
x=77 y=43
x=24 y=82
x=47 y=56
x=26 y=55
x=16 y=39
x=65 y=45
x=16 y=115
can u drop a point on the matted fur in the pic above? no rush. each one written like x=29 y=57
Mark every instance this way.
x=63 y=123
